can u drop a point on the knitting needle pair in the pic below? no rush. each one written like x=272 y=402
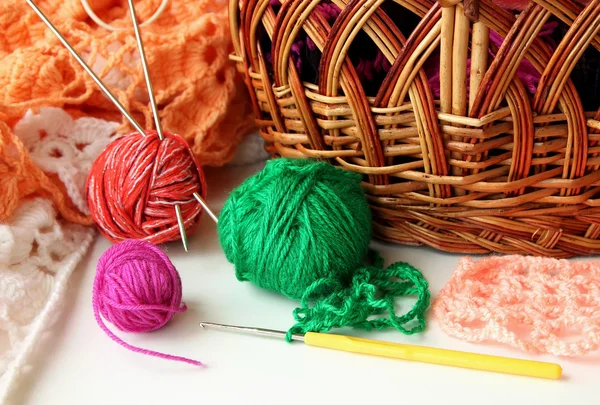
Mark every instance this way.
x=120 y=107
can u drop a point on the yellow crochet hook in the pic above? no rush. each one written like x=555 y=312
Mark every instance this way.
x=423 y=354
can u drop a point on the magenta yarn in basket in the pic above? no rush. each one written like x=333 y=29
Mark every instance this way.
x=137 y=289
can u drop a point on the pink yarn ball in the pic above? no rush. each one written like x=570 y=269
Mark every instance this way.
x=137 y=289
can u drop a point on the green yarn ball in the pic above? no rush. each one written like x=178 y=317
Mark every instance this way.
x=295 y=222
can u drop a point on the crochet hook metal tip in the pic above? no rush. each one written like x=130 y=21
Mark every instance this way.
x=85 y=67
x=474 y=361
x=254 y=331
x=206 y=208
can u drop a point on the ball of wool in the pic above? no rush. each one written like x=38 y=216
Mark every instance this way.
x=135 y=183
x=137 y=289
x=295 y=222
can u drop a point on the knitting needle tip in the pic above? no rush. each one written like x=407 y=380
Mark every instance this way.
x=181 y=225
x=108 y=93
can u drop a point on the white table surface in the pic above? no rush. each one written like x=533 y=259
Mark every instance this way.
x=79 y=364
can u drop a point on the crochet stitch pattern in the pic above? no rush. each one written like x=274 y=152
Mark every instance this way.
x=368 y=303
x=539 y=305
x=39 y=248
x=187 y=48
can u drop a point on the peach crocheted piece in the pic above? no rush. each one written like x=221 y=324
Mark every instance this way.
x=187 y=49
x=539 y=305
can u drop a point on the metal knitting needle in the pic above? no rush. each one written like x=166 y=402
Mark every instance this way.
x=140 y=44
x=142 y=53
x=109 y=95
x=422 y=354
x=206 y=208
x=89 y=71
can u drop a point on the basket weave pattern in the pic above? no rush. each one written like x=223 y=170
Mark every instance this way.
x=493 y=169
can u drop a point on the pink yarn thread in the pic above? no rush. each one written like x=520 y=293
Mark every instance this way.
x=137 y=289
x=536 y=304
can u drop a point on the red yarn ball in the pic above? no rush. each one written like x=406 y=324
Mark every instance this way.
x=135 y=183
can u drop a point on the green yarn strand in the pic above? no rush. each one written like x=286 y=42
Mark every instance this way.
x=372 y=292
x=302 y=228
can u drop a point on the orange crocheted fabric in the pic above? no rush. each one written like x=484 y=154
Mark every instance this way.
x=187 y=49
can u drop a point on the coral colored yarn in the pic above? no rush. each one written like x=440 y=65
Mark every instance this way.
x=196 y=86
x=536 y=304
x=134 y=184
x=137 y=289
x=200 y=95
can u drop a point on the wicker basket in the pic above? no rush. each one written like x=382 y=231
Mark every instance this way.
x=492 y=170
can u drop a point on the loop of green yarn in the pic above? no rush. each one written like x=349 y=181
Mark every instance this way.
x=372 y=292
x=302 y=228
x=295 y=222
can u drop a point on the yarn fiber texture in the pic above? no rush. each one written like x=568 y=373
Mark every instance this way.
x=368 y=302
x=196 y=86
x=535 y=304
x=136 y=181
x=137 y=289
x=302 y=228
x=294 y=223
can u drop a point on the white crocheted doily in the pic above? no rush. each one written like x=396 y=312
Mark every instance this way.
x=38 y=250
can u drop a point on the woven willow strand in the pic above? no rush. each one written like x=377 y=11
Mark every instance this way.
x=498 y=170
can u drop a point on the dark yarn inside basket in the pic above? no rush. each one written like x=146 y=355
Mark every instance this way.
x=586 y=75
x=370 y=63
x=372 y=66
